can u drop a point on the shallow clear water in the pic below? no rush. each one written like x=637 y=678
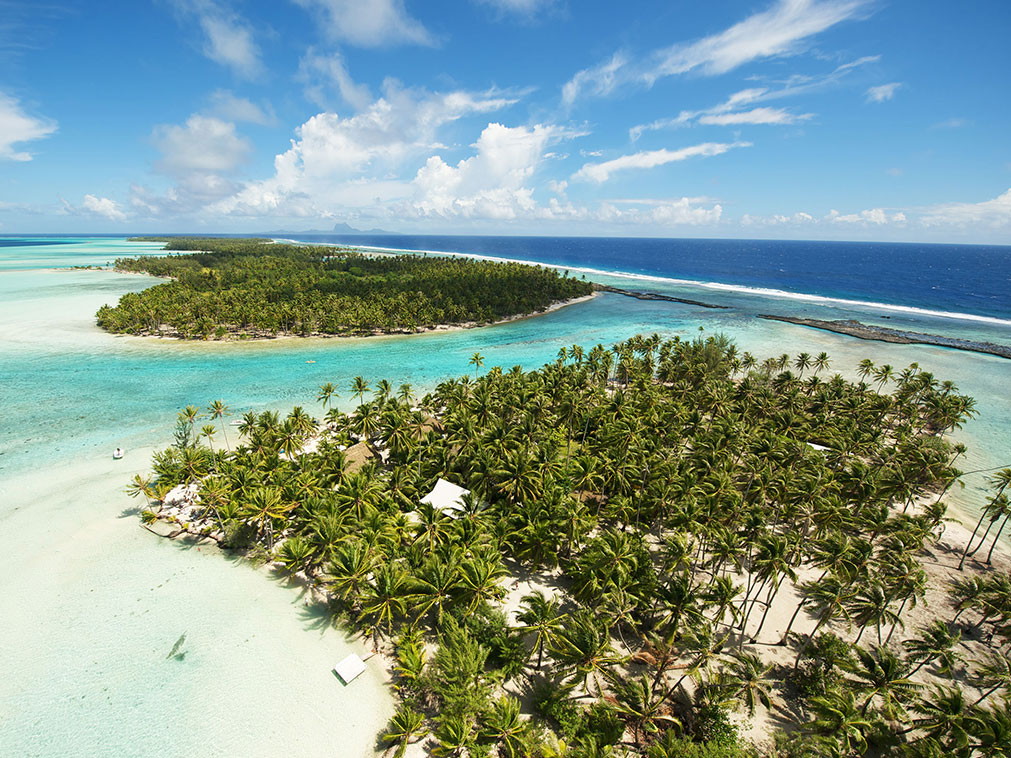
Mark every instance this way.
x=91 y=604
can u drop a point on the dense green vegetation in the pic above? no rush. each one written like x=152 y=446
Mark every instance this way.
x=661 y=495
x=256 y=288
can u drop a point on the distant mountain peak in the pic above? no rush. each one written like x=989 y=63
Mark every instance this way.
x=343 y=228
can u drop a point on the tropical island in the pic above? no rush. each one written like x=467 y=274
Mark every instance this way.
x=255 y=288
x=666 y=548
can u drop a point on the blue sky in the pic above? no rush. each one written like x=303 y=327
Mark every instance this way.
x=835 y=119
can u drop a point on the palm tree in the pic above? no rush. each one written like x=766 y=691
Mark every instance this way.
x=386 y=596
x=349 y=570
x=934 y=642
x=870 y=605
x=455 y=734
x=943 y=716
x=821 y=363
x=837 y=716
x=436 y=586
x=266 y=508
x=359 y=386
x=1001 y=480
x=540 y=616
x=642 y=709
x=990 y=729
x=583 y=649
x=882 y=675
x=992 y=673
x=327 y=392
x=748 y=680
x=828 y=597
x=480 y=579
x=219 y=410
x=407 y=725
x=504 y=725
x=477 y=361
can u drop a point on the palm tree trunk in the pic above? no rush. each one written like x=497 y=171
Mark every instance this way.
x=789 y=626
x=810 y=639
x=768 y=605
x=987 y=694
x=989 y=555
x=897 y=617
x=859 y=635
x=971 y=538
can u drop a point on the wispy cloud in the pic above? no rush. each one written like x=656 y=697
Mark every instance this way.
x=952 y=123
x=599 y=80
x=368 y=24
x=324 y=73
x=782 y=30
x=522 y=8
x=228 y=38
x=785 y=29
x=601 y=172
x=229 y=107
x=17 y=126
x=882 y=92
x=727 y=113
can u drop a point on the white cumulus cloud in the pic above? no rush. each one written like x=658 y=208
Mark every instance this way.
x=103 y=206
x=356 y=159
x=601 y=172
x=203 y=145
x=875 y=216
x=993 y=213
x=493 y=182
x=16 y=126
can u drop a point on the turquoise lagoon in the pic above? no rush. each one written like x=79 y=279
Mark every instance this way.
x=91 y=605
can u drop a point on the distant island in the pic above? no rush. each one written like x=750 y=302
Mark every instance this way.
x=338 y=228
x=255 y=288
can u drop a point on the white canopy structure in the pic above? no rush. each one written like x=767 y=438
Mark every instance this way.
x=446 y=497
x=350 y=668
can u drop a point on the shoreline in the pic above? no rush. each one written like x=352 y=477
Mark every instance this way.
x=852 y=328
x=739 y=289
x=436 y=329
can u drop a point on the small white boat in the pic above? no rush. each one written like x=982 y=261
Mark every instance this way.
x=118 y=453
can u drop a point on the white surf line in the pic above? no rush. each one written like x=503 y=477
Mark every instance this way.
x=718 y=286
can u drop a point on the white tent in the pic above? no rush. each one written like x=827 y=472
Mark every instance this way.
x=446 y=497
x=350 y=668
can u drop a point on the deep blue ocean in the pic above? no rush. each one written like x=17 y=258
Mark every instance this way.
x=974 y=279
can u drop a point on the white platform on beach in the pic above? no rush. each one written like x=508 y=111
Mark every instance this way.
x=446 y=497
x=350 y=668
